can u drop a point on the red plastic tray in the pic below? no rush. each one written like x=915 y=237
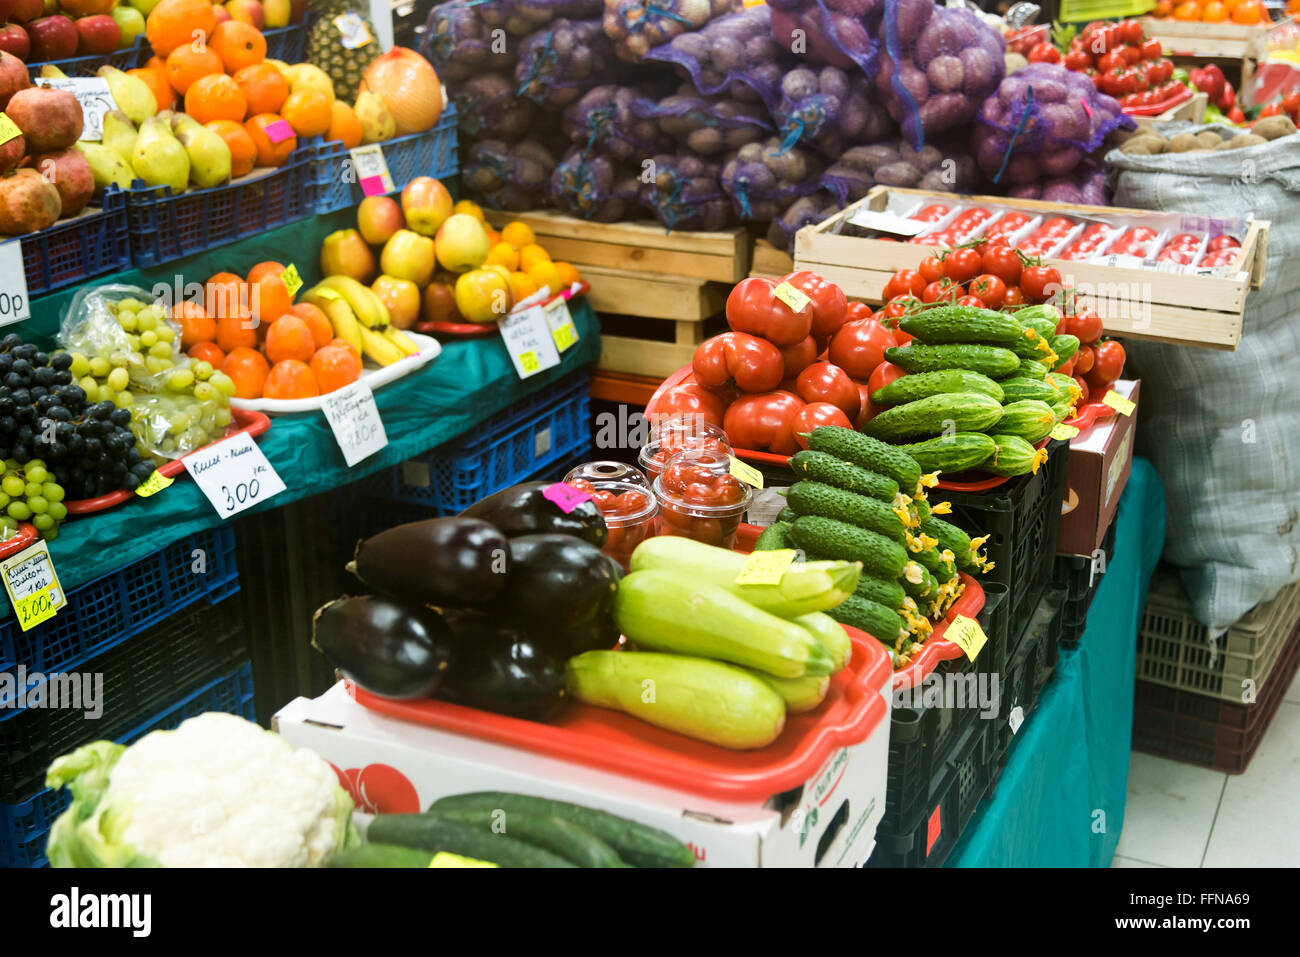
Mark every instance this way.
x=1182 y=96
x=27 y=534
x=481 y=330
x=242 y=420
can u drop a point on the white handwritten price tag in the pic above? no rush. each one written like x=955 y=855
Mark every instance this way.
x=233 y=474
x=93 y=95
x=32 y=585
x=14 y=303
x=563 y=331
x=528 y=340
x=372 y=170
x=354 y=417
x=352 y=30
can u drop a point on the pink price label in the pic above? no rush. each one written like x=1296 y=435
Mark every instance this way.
x=565 y=496
x=373 y=185
x=279 y=131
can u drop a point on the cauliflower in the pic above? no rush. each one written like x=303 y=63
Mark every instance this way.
x=219 y=791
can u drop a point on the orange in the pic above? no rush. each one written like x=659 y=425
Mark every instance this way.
x=531 y=254
x=545 y=274
x=267 y=268
x=308 y=112
x=186 y=65
x=264 y=88
x=208 y=352
x=268 y=153
x=344 y=125
x=568 y=274
x=215 y=97
x=156 y=62
x=238 y=44
x=1188 y=10
x=321 y=330
x=289 y=338
x=344 y=344
x=1249 y=13
x=247 y=368
x=269 y=297
x=518 y=234
x=502 y=254
x=243 y=151
x=494 y=237
x=196 y=325
x=335 y=367
x=158 y=85
x=1214 y=12
x=1164 y=8
x=172 y=24
x=235 y=330
x=291 y=379
x=522 y=285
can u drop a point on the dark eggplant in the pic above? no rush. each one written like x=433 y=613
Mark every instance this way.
x=562 y=590
x=389 y=649
x=524 y=510
x=440 y=561
x=502 y=669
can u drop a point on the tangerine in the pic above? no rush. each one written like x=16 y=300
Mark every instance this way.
x=269 y=153
x=568 y=273
x=518 y=234
x=208 y=352
x=216 y=97
x=238 y=44
x=335 y=367
x=1214 y=12
x=225 y=294
x=158 y=84
x=344 y=125
x=264 y=88
x=247 y=368
x=308 y=112
x=243 y=151
x=1187 y=11
x=1164 y=8
x=1249 y=14
x=545 y=274
x=236 y=330
x=186 y=65
x=291 y=379
x=196 y=325
x=503 y=254
x=289 y=338
x=174 y=23
x=530 y=255
x=268 y=267
x=321 y=329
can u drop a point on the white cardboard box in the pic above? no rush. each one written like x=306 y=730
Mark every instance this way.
x=395 y=765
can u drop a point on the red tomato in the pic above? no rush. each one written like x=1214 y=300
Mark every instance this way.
x=905 y=282
x=1083 y=360
x=898 y=307
x=932 y=213
x=1040 y=282
x=1108 y=362
x=961 y=265
x=991 y=289
x=764 y=421
x=754 y=364
x=974 y=301
x=1084 y=326
x=1003 y=262
x=941 y=289
x=885 y=373
x=796 y=358
x=931 y=269
x=860 y=346
x=1131 y=54
x=868 y=411
x=1273 y=109
x=1078 y=60
x=829 y=305
x=1222 y=242
x=1067 y=367
x=1291 y=102
x=1108 y=62
x=753 y=307
x=1014 y=297
x=817 y=414
x=1151 y=49
x=822 y=382
x=1130 y=31
x=692 y=399
x=1044 y=53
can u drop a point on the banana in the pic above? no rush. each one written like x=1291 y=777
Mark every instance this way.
x=374 y=345
x=338 y=312
x=369 y=309
x=400 y=339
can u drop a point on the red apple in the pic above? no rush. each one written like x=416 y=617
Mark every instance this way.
x=25 y=11
x=221 y=13
x=86 y=8
x=53 y=38
x=97 y=34
x=14 y=39
x=246 y=11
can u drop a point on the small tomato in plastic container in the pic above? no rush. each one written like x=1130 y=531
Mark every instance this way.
x=608 y=471
x=629 y=512
x=699 y=498
x=678 y=434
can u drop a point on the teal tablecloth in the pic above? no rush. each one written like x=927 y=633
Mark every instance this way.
x=470 y=381
x=1060 y=800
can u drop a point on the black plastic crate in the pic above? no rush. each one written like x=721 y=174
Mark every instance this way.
x=138 y=676
x=1028 y=670
x=1081 y=576
x=927 y=837
x=1021 y=518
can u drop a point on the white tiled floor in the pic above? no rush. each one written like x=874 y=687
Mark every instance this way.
x=1184 y=816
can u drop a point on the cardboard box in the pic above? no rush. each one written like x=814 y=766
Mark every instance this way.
x=395 y=765
x=1100 y=462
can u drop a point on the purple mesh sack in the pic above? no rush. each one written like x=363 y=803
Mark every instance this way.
x=735 y=56
x=458 y=41
x=487 y=108
x=762 y=179
x=509 y=176
x=933 y=167
x=1040 y=124
x=612 y=119
x=522 y=17
x=638 y=26
x=839 y=33
x=594 y=188
x=1085 y=185
x=560 y=62
x=804 y=211
x=683 y=192
x=828 y=109
x=935 y=66
x=704 y=125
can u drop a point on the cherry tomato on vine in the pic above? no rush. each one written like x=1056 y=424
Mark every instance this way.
x=904 y=282
x=974 y=301
x=961 y=265
x=1039 y=282
x=990 y=288
x=1003 y=262
x=941 y=289
x=931 y=269
x=1014 y=297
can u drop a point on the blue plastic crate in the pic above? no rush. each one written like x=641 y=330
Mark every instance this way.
x=289 y=44
x=24 y=826
x=551 y=425
x=164 y=226
x=74 y=250
x=127 y=58
x=431 y=153
x=108 y=610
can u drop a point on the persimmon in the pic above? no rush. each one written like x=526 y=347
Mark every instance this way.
x=248 y=369
x=225 y=294
x=289 y=338
x=335 y=367
x=208 y=352
x=196 y=325
x=235 y=330
x=321 y=329
x=290 y=379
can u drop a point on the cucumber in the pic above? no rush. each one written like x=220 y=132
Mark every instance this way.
x=947 y=324
x=428 y=832
x=872 y=617
x=381 y=855
x=991 y=361
x=805 y=587
x=814 y=498
x=709 y=700
x=786 y=514
x=825 y=536
x=1065 y=346
x=940 y=569
x=921 y=507
x=832 y=637
x=825 y=468
x=773 y=537
x=1066 y=384
x=960 y=411
x=917 y=580
x=1021 y=388
x=888 y=593
x=637 y=844
x=681 y=613
x=1030 y=419
x=868 y=453
x=1014 y=456
x=1034 y=347
x=951 y=453
x=952 y=538
x=922 y=385
x=799 y=694
x=571 y=842
x=1032 y=369
x=1043 y=319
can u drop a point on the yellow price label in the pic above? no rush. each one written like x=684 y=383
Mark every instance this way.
x=1117 y=402
x=796 y=299
x=32 y=585
x=1063 y=431
x=325 y=293
x=746 y=473
x=528 y=361
x=563 y=337
x=34 y=609
x=766 y=568
x=8 y=129
x=291 y=279
x=967 y=635
x=154 y=483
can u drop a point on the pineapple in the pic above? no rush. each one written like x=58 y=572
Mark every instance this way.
x=325 y=48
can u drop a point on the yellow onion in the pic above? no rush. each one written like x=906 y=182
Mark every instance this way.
x=409 y=87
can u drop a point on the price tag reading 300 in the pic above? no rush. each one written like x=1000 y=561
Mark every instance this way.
x=233 y=474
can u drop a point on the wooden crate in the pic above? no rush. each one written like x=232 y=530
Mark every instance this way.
x=1189 y=310
x=1191 y=111
x=642 y=247
x=770 y=262
x=1189 y=44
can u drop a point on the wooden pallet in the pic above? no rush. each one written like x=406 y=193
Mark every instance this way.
x=1189 y=44
x=656 y=308
x=1188 y=310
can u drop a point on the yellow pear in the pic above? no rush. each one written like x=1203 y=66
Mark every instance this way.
x=119 y=134
x=209 y=155
x=377 y=122
x=106 y=166
x=131 y=94
x=158 y=157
